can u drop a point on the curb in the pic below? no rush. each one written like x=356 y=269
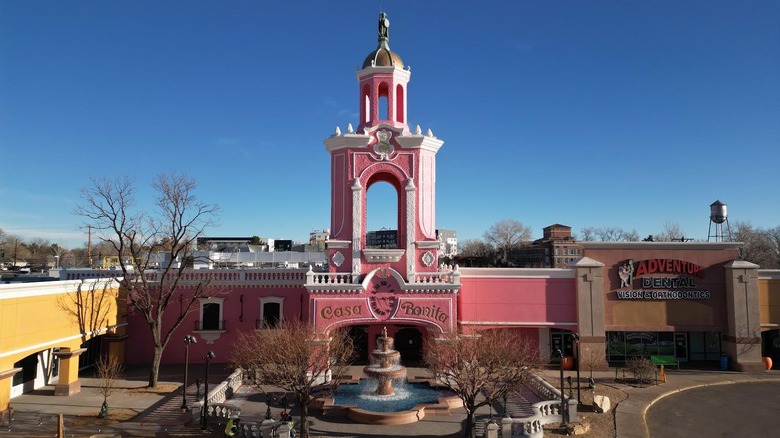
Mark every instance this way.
x=667 y=393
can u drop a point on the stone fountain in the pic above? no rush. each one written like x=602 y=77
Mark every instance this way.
x=385 y=365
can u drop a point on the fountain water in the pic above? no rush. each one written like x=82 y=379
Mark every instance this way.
x=385 y=404
x=385 y=365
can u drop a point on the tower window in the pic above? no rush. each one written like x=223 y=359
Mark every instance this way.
x=366 y=104
x=399 y=103
x=384 y=109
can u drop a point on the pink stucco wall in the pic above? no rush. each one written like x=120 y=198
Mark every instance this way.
x=517 y=297
x=139 y=344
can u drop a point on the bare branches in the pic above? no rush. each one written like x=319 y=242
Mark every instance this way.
x=91 y=306
x=295 y=359
x=145 y=240
x=108 y=370
x=488 y=365
x=506 y=235
x=608 y=234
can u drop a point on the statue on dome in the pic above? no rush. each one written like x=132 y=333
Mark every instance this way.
x=384 y=23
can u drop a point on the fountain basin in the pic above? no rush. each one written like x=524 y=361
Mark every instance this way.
x=411 y=403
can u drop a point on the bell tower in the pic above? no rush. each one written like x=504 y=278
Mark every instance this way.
x=383 y=149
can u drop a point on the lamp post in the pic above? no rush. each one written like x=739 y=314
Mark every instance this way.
x=205 y=419
x=189 y=339
x=576 y=337
x=563 y=392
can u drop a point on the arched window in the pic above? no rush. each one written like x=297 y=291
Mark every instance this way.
x=381 y=215
x=399 y=103
x=384 y=109
x=366 y=104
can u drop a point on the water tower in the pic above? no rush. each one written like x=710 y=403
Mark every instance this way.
x=719 y=216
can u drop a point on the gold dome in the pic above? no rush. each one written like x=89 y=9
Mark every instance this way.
x=382 y=57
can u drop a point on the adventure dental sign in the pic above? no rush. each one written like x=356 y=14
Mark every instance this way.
x=680 y=286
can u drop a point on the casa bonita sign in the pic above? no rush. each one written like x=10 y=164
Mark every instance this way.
x=407 y=309
x=680 y=286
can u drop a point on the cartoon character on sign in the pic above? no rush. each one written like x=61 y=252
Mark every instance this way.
x=626 y=274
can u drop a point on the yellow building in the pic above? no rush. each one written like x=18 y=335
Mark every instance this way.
x=46 y=327
x=769 y=313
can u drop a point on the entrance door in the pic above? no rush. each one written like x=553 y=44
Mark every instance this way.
x=409 y=342
x=681 y=347
x=360 y=341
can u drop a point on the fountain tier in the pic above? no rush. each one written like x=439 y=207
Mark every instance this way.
x=385 y=365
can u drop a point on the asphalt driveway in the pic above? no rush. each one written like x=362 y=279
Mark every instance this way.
x=739 y=409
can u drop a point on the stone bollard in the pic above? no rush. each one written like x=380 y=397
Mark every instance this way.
x=267 y=428
x=283 y=431
x=491 y=431
x=572 y=413
x=506 y=427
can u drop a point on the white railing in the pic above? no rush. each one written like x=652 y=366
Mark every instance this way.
x=450 y=277
x=272 y=276
x=226 y=388
x=545 y=412
x=329 y=278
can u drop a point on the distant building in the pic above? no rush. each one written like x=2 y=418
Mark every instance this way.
x=448 y=243
x=280 y=245
x=318 y=240
x=383 y=238
x=556 y=249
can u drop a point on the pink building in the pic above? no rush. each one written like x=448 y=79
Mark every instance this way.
x=691 y=315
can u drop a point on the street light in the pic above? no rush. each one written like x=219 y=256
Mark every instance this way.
x=189 y=339
x=563 y=392
x=576 y=337
x=205 y=419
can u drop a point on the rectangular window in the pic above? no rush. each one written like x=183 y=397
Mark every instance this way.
x=211 y=317
x=271 y=314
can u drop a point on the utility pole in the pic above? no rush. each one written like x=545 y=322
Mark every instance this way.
x=89 y=244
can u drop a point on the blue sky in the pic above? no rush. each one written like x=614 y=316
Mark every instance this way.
x=585 y=113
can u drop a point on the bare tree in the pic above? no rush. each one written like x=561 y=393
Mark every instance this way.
x=671 y=232
x=588 y=234
x=482 y=368
x=293 y=357
x=108 y=369
x=475 y=252
x=759 y=245
x=608 y=234
x=506 y=235
x=135 y=235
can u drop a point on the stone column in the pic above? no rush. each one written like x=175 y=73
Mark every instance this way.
x=742 y=343
x=6 y=379
x=68 y=383
x=590 y=310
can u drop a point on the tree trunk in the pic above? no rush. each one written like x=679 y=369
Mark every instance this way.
x=470 y=426
x=154 y=373
x=304 y=420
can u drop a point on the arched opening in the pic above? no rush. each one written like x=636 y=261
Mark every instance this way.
x=359 y=338
x=384 y=108
x=382 y=216
x=366 y=104
x=409 y=342
x=399 y=103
